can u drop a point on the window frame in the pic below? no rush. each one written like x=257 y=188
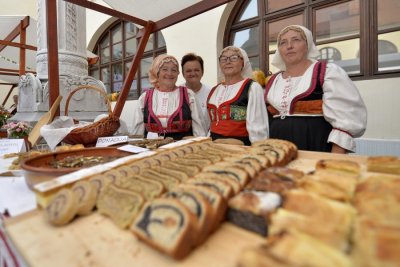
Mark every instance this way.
x=108 y=33
x=368 y=31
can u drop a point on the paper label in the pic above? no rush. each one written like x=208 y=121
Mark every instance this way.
x=12 y=146
x=133 y=149
x=151 y=135
x=111 y=140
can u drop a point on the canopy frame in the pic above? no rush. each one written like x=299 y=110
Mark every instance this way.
x=149 y=27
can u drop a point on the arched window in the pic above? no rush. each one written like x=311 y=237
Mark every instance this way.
x=116 y=48
x=336 y=25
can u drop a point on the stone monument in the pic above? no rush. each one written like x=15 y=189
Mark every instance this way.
x=73 y=69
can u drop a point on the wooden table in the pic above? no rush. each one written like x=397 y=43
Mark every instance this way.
x=95 y=241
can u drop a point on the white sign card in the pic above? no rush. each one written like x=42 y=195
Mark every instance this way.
x=133 y=149
x=12 y=146
x=111 y=140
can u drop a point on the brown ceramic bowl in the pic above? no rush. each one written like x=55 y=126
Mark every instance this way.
x=39 y=169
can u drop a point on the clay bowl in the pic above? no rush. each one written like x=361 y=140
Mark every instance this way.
x=39 y=168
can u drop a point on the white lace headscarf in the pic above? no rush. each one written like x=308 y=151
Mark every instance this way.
x=247 y=71
x=158 y=62
x=312 y=54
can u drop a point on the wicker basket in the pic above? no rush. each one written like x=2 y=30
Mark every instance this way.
x=88 y=135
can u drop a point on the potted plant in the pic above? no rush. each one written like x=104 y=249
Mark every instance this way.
x=19 y=130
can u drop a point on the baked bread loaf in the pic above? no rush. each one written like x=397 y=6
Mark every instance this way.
x=378 y=198
x=62 y=208
x=86 y=194
x=339 y=165
x=217 y=202
x=276 y=180
x=329 y=233
x=250 y=210
x=229 y=141
x=119 y=204
x=319 y=209
x=198 y=206
x=220 y=187
x=166 y=224
x=384 y=164
x=375 y=244
x=150 y=189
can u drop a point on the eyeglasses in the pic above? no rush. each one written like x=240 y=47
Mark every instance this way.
x=233 y=58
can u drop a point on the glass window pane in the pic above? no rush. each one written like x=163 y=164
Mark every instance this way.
x=133 y=92
x=117 y=77
x=145 y=65
x=255 y=63
x=105 y=42
x=388 y=51
x=117 y=51
x=349 y=54
x=274 y=5
x=117 y=34
x=248 y=40
x=275 y=27
x=105 y=78
x=250 y=11
x=161 y=40
x=130 y=47
x=105 y=55
x=150 y=43
x=338 y=21
x=130 y=30
x=95 y=74
x=388 y=14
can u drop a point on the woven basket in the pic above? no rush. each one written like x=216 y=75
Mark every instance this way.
x=88 y=135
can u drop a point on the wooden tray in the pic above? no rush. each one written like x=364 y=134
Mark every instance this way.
x=95 y=241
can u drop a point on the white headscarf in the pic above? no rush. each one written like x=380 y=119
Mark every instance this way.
x=313 y=52
x=247 y=71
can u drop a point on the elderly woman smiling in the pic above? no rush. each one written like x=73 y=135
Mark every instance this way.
x=314 y=103
x=167 y=110
x=236 y=107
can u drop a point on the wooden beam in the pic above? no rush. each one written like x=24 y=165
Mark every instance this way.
x=14 y=44
x=52 y=50
x=16 y=31
x=191 y=11
x=22 y=51
x=8 y=94
x=133 y=69
x=108 y=11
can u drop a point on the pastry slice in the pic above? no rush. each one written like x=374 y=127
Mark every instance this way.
x=234 y=184
x=180 y=175
x=384 y=164
x=119 y=204
x=62 y=208
x=198 y=206
x=150 y=189
x=218 y=204
x=167 y=225
x=220 y=187
x=86 y=194
x=174 y=165
x=250 y=210
x=339 y=165
x=237 y=173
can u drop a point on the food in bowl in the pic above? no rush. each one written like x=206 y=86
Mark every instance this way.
x=48 y=166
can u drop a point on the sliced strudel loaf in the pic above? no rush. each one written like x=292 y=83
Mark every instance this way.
x=166 y=224
x=199 y=206
x=119 y=204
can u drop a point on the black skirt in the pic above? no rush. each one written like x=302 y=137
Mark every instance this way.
x=308 y=133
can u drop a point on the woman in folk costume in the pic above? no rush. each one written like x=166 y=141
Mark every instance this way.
x=313 y=103
x=167 y=110
x=235 y=106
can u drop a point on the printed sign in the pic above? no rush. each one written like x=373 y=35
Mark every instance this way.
x=111 y=140
x=12 y=146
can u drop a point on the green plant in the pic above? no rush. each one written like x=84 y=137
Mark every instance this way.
x=17 y=129
x=4 y=115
